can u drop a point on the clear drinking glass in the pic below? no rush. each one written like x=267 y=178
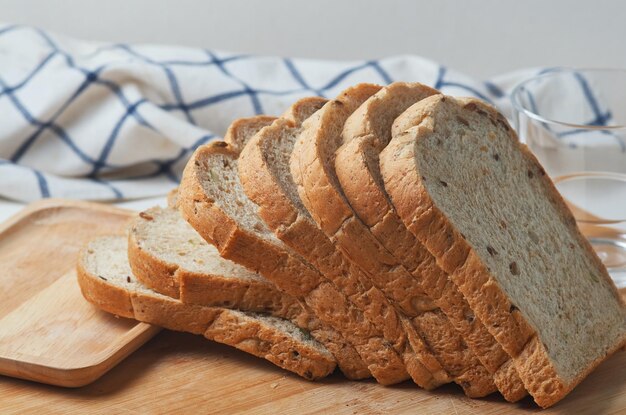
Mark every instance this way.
x=574 y=121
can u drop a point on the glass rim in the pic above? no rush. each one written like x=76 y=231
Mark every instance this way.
x=552 y=72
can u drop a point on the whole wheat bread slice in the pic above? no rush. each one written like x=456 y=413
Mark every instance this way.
x=212 y=201
x=240 y=130
x=167 y=255
x=484 y=207
x=106 y=280
x=312 y=167
x=265 y=176
x=366 y=132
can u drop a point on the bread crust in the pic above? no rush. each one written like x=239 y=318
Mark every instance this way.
x=152 y=272
x=311 y=165
x=250 y=295
x=224 y=326
x=286 y=269
x=294 y=227
x=365 y=134
x=422 y=217
x=240 y=130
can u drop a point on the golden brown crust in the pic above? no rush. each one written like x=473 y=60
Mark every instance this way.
x=387 y=227
x=150 y=271
x=251 y=336
x=249 y=295
x=453 y=253
x=299 y=232
x=260 y=185
x=225 y=326
x=326 y=206
x=302 y=109
x=311 y=166
x=285 y=269
x=107 y=297
x=422 y=217
x=365 y=134
x=222 y=231
x=242 y=129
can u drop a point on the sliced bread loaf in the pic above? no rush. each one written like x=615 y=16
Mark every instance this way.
x=366 y=132
x=106 y=280
x=167 y=255
x=266 y=179
x=313 y=170
x=212 y=201
x=484 y=207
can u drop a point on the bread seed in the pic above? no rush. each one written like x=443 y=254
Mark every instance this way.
x=127 y=279
x=220 y=144
x=496 y=157
x=541 y=170
x=503 y=123
x=491 y=250
x=102 y=278
x=514 y=268
x=444 y=184
x=145 y=216
x=530 y=174
x=462 y=120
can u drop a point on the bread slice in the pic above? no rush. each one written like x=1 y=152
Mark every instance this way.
x=484 y=207
x=240 y=131
x=167 y=255
x=106 y=280
x=366 y=132
x=266 y=179
x=312 y=167
x=212 y=201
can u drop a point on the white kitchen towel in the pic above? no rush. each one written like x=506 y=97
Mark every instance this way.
x=103 y=121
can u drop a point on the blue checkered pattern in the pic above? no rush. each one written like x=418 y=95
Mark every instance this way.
x=117 y=121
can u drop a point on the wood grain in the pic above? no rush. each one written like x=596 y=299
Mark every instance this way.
x=181 y=373
x=48 y=332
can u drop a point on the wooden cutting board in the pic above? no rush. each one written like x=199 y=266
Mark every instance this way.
x=183 y=373
x=48 y=332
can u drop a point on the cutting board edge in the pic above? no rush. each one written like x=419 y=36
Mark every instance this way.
x=34 y=369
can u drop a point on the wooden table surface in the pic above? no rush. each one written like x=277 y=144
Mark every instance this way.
x=182 y=373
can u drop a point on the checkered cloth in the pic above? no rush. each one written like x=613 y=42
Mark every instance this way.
x=101 y=121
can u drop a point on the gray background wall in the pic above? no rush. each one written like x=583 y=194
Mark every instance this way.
x=479 y=37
